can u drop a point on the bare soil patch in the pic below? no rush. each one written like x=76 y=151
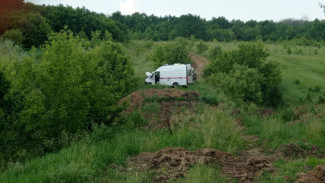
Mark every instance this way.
x=172 y=163
x=292 y=151
x=171 y=101
x=199 y=63
x=315 y=176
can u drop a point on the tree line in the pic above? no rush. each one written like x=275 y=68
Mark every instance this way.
x=30 y=25
x=165 y=28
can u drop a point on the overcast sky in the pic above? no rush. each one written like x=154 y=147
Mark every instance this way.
x=231 y=9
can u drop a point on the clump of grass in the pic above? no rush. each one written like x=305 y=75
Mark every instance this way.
x=289 y=51
x=297 y=82
x=288 y=114
x=287 y=170
x=321 y=100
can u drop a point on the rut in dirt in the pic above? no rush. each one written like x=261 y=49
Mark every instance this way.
x=199 y=63
x=172 y=163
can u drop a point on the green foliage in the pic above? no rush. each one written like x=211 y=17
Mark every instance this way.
x=35 y=29
x=93 y=159
x=243 y=83
x=15 y=35
x=4 y=87
x=174 y=52
x=245 y=74
x=215 y=52
x=201 y=46
x=287 y=170
x=62 y=88
x=321 y=99
x=288 y=115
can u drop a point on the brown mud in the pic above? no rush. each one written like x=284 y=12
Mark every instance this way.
x=171 y=101
x=172 y=163
x=315 y=176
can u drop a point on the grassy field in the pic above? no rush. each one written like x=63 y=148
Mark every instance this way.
x=102 y=155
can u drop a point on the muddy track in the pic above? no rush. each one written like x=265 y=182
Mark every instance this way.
x=199 y=63
x=172 y=163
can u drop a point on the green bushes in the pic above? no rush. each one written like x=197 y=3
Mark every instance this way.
x=15 y=35
x=246 y=75
x=64 y=87
x=201 y=46
x=174 y=52
x=215 y=52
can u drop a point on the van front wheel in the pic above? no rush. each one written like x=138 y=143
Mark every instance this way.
x=175 y=85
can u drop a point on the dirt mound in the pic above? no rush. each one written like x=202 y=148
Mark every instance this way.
x=199 y=63
x=170 y=101
x=292 y=151
x=315 y=176
x=306 y=113
x=136 y=98
x=172 y=163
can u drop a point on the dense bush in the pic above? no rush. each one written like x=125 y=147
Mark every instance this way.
x=63 y=88
x=15 y=35
x=174 y=52
x=201 y=46
x=215 y=52
x=247 y=75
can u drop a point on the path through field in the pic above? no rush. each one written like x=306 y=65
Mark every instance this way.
x=199 y=63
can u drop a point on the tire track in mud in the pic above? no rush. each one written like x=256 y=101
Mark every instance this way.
x=199 y=63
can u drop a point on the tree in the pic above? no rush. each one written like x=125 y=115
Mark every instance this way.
x=63 y=87
x=247 y=75
x=175 y=52
x=15 y=35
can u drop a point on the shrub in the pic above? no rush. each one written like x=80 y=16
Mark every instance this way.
x=174 y=52
x=288 y=115
x=15 y=35
x=289 y=51
x=63 y=89
x=215 y=52
x=201 y=46
x=245 y=74
x=321 y=100
x=243 y=83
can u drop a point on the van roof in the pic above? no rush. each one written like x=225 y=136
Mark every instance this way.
x=171 y=67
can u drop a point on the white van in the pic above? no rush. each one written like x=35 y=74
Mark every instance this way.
x=172 y=75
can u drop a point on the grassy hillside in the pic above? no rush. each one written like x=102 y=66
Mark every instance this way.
x=291 y=138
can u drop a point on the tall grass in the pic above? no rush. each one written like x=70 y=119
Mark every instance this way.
x=276 y=132
x=91 y=158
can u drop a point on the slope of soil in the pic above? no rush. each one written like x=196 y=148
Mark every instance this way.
x=136 y=98
x=172 y=163
x=315 y=176
x=199 y=63
x=171 y=101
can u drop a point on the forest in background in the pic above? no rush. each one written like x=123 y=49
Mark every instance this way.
x=30 y=25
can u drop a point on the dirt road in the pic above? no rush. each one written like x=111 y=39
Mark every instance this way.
x=199 y=63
